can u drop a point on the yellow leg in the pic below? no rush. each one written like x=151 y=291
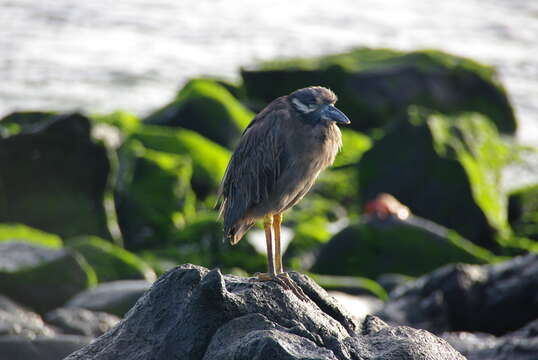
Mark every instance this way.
x=277 y=220
x=267 y=222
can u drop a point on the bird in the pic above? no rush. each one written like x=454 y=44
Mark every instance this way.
x=275 y=163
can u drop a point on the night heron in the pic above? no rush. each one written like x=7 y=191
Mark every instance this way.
x=277 y=160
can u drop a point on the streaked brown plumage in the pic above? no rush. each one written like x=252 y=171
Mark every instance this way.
x=277 y=160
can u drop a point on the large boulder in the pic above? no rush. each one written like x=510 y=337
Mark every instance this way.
x=375 y=86
x=495 y=299
x=444 y=168
x=42 y=278
x=153 y=195
x=206 y=107
x=42 y=348
x=194 y=313
x=413 y=246
x=111 y=262
x=54 y=176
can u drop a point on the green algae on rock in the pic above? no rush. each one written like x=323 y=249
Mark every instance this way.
x=153 y=194
x=208 y=108
x=444 y=168
x=412 y=247
x=109 y=261
x=375 y=86
x=23 y=233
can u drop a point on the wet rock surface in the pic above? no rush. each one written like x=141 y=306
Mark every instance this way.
x=194 y=313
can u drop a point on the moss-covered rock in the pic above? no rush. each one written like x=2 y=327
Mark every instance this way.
x=153 y=195
x=109 y=261
x=123 y=120
x=54 y=177
x=208 y=108
x=201 y=242
x=25 y=122
x=412 y=247
x=375 y=86
x=444 y=168
x=23 y=233
x=40 y=277
x=209 y=160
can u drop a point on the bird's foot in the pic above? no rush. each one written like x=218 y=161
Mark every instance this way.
x=284 y=280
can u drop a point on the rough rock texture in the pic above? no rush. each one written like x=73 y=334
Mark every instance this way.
x=115 y=297
x=16 y=320
x=194 y=313
x=81 y=321
x=42 y=348
x=521 y=344
x=490 y=298
x=392 y=245
x=54 y=176
x=40 y=277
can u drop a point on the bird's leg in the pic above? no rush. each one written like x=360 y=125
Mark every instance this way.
x=271 y=274
x=277 y=220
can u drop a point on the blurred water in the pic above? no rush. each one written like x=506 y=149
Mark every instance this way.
x=102 y=55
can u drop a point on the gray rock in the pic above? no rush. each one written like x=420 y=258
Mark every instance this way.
x=42 y=348
x=519 y=345
x=194 y=313
x=357 y=305
x=494 y=299
x=16 y=320
x=114 y=297
x=42 y=278
x=76 y=321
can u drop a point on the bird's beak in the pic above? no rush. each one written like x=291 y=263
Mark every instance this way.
x=331 y=113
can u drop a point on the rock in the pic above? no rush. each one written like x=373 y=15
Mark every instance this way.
x=16 y=320
x=376 y=246
x=357 y=305
x=521 y=344
x=152 y=193
x=523 y=212
x=201 y=242
x=490 y=298
x=42 y=278
x=208 y=108
x=209 y=160
x=23 y=233
x=111 y=262
x=447 y=169
x=194 y=313
x=54 y=177
x=42 y=348
x=81 y=321
x=115 y=297
x=375 y=86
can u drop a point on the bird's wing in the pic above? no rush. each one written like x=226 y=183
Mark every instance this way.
x=254 y=168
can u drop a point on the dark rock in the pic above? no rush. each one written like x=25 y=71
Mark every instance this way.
x=42 y=278
x=194 y=313
x=357 y=305
x=446 y=169
x=111 y=262
x=521 y=344
x=115 y=297
x=42 y=348
x=375 y=86
x=208 y=108
x=16 y=320
x=81 y=321
x=54 y=177
x=491 y=298
x=413 y=246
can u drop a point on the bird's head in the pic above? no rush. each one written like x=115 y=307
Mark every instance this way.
x=316 y=104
